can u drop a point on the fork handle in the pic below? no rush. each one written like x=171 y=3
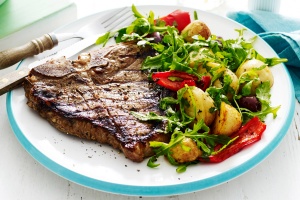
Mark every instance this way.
x=12 y=56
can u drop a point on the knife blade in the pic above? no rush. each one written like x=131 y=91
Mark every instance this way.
x=15 y=78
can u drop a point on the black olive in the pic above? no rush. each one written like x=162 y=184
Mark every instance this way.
x=250 y=102
x=156 y=36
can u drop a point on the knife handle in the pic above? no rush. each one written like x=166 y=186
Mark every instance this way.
x=12 y=56
x=12 y=80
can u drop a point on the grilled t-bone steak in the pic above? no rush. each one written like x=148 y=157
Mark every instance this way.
x=92 y=98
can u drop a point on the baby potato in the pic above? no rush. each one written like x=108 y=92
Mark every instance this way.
x=234 y=84
x=203 y=103
x=264 y=74
x=211 y=66
x=216 y=67
x=228 y=120
x=196 y=27
x=195 y=58
x=186 y=151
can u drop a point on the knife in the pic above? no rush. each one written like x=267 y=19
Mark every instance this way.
x=15 y=78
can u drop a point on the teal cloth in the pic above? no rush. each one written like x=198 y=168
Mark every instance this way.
x=281 y=33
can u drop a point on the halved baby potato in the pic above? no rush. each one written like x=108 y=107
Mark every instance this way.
x=228 y=120
x=186 y=151
x=264 y=74
x=196 y=60
x=203 y=104
x=234 y=83
x=197 y=55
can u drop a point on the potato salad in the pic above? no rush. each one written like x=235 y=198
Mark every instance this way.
x=221 y=87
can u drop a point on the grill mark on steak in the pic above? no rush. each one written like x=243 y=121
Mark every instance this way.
x=92 y=97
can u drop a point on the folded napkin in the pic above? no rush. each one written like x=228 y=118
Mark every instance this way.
x=281 y=33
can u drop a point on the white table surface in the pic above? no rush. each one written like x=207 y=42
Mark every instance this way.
x=22 y=177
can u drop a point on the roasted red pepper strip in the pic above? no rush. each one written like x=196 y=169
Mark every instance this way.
x=163 y=79
x=180 y=19
x=249 y=133
x=204 y=82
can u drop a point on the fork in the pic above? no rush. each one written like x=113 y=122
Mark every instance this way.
x=111 y=21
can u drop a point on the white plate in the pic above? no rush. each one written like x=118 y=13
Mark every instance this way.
x=103 y=168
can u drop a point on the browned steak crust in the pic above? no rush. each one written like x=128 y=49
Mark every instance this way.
x=92 y=98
